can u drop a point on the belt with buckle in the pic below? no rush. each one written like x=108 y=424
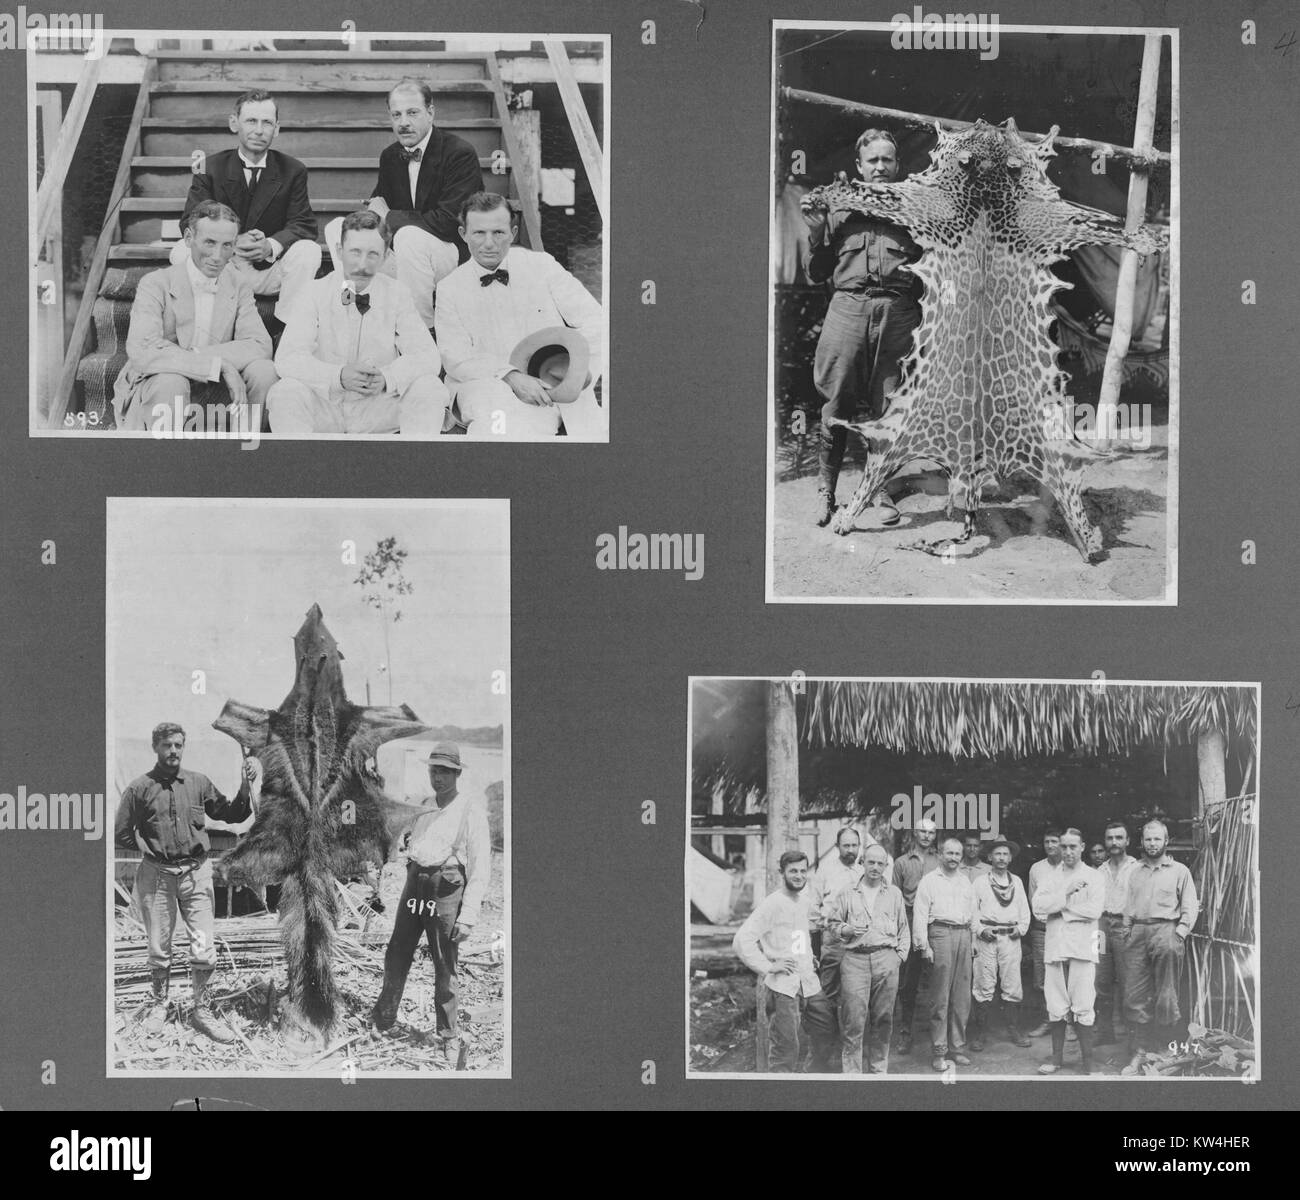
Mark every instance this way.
x=952 y=924
x=1155 y=920
x=868 y=949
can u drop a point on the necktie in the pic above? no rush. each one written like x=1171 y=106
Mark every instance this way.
x=491 y=277
x=412 y=155
x=254 y=174
x=363 y=303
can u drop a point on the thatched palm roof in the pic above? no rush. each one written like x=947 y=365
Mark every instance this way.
x=961 y=719
x=993 y=720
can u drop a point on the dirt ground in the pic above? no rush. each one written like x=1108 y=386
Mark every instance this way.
x=722 y=1039
x=249 y=990
x=1021 y=551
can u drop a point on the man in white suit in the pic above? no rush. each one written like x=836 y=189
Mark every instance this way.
x=355 y=356
x=487 y=306
x=195 y=332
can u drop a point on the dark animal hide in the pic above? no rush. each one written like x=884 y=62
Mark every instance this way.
x=321 y=815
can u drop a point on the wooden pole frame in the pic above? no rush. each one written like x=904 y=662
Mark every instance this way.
x=593 y=158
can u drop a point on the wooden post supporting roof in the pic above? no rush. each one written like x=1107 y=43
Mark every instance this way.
x=782 y=813
x=593 y=159
x=1121 y=334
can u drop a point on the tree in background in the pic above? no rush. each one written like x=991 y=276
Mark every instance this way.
x=384 y=581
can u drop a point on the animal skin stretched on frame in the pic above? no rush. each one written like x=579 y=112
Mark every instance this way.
x=982 y=394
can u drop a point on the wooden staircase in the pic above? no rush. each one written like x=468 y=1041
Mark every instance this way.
x=332 y=117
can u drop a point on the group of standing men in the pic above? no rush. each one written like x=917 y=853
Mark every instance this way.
x=430 y=255
x=1098 y=937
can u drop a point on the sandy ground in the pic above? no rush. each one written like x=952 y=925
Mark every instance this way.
x=1021 y=551
x=722 y=1040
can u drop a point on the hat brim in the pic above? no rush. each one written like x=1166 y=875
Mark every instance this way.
x=439 y=761
x=1007 y=845
x=527 y=355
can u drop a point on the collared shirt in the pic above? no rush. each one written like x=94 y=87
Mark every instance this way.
x=883 y=915
x=163 y=815
x=458 y=833
x=1117 y=883
x=413 y=167
x=249 y=167
x=909 y=869
x=1036 y=874
x=860 y=253
x=941 y=898
x=479 y=327
x=205 y=296
x=1162 y=889
x=831 y=876
x=989 y=908
x=973 y=871
x=778 y=928
x=1071 y=919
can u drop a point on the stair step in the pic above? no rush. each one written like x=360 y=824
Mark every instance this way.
x=176 y=204
x=168 y=161
x=232 y=87
x=203 y=122
x=154 y=176
x=329 y=103
x=266 y=68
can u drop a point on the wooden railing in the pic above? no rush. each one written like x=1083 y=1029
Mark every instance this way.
x=49 y=196
x=110 y=234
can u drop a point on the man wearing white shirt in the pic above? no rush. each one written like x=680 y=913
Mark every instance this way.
x=838 y=872
x=1037 y=930
x=941 y=924
x=356 y=357
x=1115 y=871
x=446 y=880
x=195 y=332
x=266 y=190
x=1068 y=900
x=487 y=306
x=870 y=920
x=424 y=178
x=775 y=942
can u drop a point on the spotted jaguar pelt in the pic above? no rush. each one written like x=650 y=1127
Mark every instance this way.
x=982 y=394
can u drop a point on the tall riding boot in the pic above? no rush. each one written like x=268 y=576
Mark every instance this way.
x=1012 y=1010
x=156 y=1016
x=1084 y=1033
x=1055 y=1063
x=830 y=456
x=979 y=1014
x=384 y=1014
x=203 y=1018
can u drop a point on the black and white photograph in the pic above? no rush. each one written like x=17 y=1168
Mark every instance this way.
x=974 y=313
x=309 y=759
x=329 y=236
x=944 y=879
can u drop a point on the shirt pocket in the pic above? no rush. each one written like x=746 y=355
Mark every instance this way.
x=893 y=251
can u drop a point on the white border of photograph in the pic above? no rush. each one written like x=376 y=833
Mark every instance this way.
x=36 y=429
x=1171 y=511
x=110 y=734
x=956 y=1076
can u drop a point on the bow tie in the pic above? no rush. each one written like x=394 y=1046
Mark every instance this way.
x=363 y=302
x=412 y=155
x=493 y=276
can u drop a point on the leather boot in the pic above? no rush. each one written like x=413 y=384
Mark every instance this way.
x=978 y=1021
x=1054 y=1063
x=203 y=1018
x=156 y=1015
x=384 y=1014
x=1084 y=1033
x=1012 y=1010
x=830 y=455
x=1137 y=1041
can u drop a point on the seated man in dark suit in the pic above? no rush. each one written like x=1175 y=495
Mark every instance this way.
x=424 y=178
x=195 y=332
x=266 y=190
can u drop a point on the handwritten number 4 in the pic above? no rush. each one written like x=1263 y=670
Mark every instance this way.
x=1286 y=43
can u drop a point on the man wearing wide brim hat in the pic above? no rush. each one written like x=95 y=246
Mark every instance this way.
x=487 y=313
x=446 y=879
x=1001 y=920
